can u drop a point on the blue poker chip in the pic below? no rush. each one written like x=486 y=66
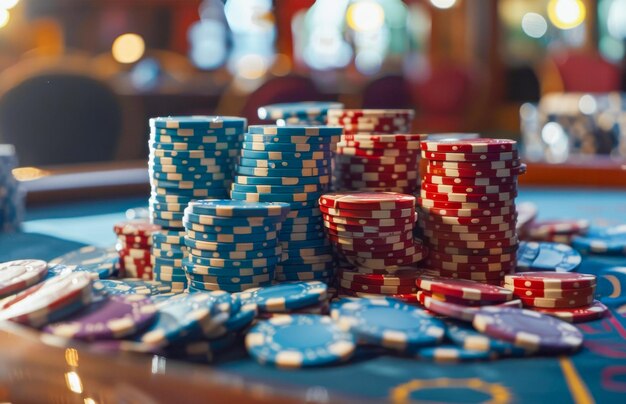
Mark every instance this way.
x=546 y=256
x=232 y=279
x=302 y=110
x=170 y=277
x=198 y=139
x=171 y=254
x=194 y=154
x=227 y=287
x=190 y=163
x=287 y=296
x=453 y=354
x=294 y=130
x=239 y=319
x=227 y=238
x=311 y=243
x=306 y=252
x=210 y=221
x=315 y=259
x=191 y=189
x=290 y=222
x=161 y=245
x=226 y=263
x=229 y=228
x=101 y=261
x=167 y=224
x=166 y=207
x=191 y=132
x=289 y=139
x=196 y=242
x=167 y=262
x=229 y=208
x=389 y=323
x=290 y=236
x=286 y=147
x=292 y=205
x=304 y=276
x=129 y=287
x=611 y=286
x=298 y=341
x=251 y=180
x=314 y=212
x=204 y=351
x=195 y=269
x=210 y=180
x=301 y=199
x=282 y=172
x=198 y=122
x=602 y=240
x=190 y=146
x=168 y=198
x=289 y=156
x=244 y=255
x=279 y=189
x=303 y=229
x=180 y=171
x=316 y=267
x=166 y=215
x=466 y=337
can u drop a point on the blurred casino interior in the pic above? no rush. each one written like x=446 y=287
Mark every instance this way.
x=80 y=78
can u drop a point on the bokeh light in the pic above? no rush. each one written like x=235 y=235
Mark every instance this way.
x=534 y=25
x=365 y=16
x=443 y=4
x=128 y=48
x=8 y=4
x=566 y=14
x=4 y=18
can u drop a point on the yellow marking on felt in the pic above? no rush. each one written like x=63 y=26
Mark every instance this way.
x=576 y=385
x=499 y=394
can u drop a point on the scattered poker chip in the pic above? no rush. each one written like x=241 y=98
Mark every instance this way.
x=551 y=227
x=108 y=317
x=611 y=285
x=388 y=323
x=528 y=329
x=286 y=296
x=456 y=311
x=453 y=353
x=367 y=201
x=21 y=274
x=102 y=261
x=551 y=280
x=544 y=256
x=607 y=240
x=465 y=336
x=295 y=341
x=130 y=287
x=594 y=311
x=481 y=145
x=48 y=301
x=464 y=289
x=467 y=181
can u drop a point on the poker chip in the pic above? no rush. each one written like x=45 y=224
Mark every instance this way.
x=563 y=302
x=544 y=256
x=293 y=295
x=288 y=156
x=101 y=261
x=406 y=278
x=467 y=181
x=463 y=189
x=551 y=280
x=367 y=201
x=130 y=287
x=546 y=228
x=594 y=311
x=228 y=208
x=471 y=259
x=481 y=145
x=468 y=197
x=295 y=341
x=442 y=204
x=378 y=289
x=470 y=221
x=528 y=329
x=485 y=277
x=481 y=244
x=464 y=289
x=388 y=323
x=551 y=293
x=20 y=274
x=608 y=240
x=466 y=337
x=475 y=165
x=295 y=130
x=188 y=125
x=452 y=353
x=470 y=236
x=249 y=180
x=470 y=267
x=472 y=213
x=302 y=110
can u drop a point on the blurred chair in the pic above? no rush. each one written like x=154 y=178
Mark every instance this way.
x=387 y=92
x=445 y=97
x=580 y=72
x=55 y=114
x=280 y=89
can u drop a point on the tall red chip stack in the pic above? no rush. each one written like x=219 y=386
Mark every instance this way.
x=467 y=207
x=134 y=242
x=372 y=232
x=376 y=153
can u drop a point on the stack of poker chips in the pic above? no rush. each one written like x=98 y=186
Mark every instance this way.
x=375 y=152
x=168 y=250
x=232 y=245
x=12 y=198
x=373 y=233
x=291 y=164
x=467 y=205
x=566 y=295
x=134 y=245
x=311 y=113
x=190 y=158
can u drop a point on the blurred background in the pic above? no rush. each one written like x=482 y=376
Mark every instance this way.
x=80 y=78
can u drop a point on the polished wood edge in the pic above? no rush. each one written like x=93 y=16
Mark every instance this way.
x=603 y=173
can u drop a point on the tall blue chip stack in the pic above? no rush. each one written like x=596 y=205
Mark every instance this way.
x=310 y=113
x=291 y=164
x=191 y=157
x=12 y=197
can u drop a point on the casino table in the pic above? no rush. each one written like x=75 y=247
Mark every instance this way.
x=32 y=370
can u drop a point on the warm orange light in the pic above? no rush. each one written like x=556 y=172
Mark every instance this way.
x=566 y=14
x=8 y=4
x=128 y=48
x=5 y=16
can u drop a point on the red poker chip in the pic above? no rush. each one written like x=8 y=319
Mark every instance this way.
x=594 y=311
x=472 y=259
x=478 y=145
x=404 y=278
x=147 y=240
x=551 y=293
x=456 y=300
x=135 y=228
x=369 y=214
x=551 y=280
x=464 y=289
x=466 y=173
x=355 y=151
x=468 y=181
x=358 y=235
x=450 y=228
x=389 y=265
x=482 y=244
x=470 y=236
x=474 y=251
x=557 y=303
x=452 y=310
x=362 y=221
x=380 y=289
x=374 y=186
x=463 y=189
x=485 y=277
x=395 y=138
x=401 y=251
x=406 y=175
x=372 y=144
x=469 y=213
x=381 y=249
x=135 y=253
x=461 y=197
x=368 y=229
x=552 y=227
x=475 y=165
x=367 y=200
x=356 y=112
x=355 y=168
x=379 y=120
x=412 y=160
x=469 y=221
x=429 y=203
x=471 y=267
x=451 y=156
x=371 y=242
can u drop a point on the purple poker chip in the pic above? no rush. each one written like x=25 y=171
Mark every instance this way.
x=528 y=329
x=110 y=317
